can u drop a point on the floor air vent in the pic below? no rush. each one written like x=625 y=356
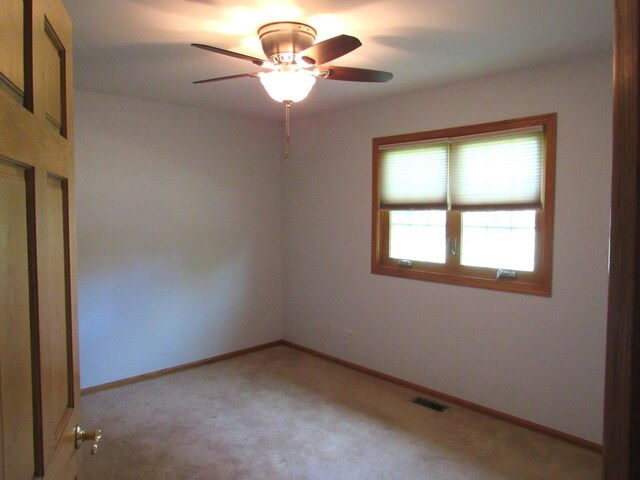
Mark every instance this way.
x=429 y=404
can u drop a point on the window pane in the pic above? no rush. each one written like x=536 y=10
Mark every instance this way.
x=503 y=239
x=415 y=175
x=418 y=235
x=505 y=170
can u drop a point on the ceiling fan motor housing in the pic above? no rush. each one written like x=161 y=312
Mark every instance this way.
x=282 y=41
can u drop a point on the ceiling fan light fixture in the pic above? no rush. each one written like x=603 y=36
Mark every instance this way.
x=288 y=85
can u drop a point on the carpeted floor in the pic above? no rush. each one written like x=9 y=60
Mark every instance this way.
x=281 y=414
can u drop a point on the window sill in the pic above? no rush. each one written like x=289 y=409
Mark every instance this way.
x=466 y=280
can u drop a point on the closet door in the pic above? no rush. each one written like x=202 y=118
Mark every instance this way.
x=39 y=382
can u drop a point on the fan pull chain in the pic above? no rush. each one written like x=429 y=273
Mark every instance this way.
x=287 y=104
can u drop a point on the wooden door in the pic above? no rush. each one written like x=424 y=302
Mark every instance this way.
x=39 y=383
x=621 y=446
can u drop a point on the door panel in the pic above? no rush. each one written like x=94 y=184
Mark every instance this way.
x=12 y=57
x=53 y=64
x=55 y=329
x=16 y=396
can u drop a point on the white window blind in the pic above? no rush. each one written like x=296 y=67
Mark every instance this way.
x=414 y=177
x=501 y=170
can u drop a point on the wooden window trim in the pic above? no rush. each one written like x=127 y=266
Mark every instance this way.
x=538 y=282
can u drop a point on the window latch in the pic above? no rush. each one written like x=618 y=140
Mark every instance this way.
x=453 y=246
x=405 y=263
x=509 y=274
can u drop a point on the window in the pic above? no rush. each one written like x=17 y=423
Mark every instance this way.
x=468 y=205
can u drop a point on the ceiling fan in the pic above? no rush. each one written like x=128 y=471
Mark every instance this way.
x=294 y=62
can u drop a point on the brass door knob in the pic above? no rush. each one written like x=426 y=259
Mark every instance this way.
x=83 y=435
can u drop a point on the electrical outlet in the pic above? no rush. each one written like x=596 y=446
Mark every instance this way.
x=330 y=327
x=350 y=334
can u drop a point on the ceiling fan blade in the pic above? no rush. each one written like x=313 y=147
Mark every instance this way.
x=349 y=74
x=229 y=53
x=230 y=77
x=330 y=49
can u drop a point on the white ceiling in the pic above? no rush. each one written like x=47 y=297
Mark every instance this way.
x=140 y=48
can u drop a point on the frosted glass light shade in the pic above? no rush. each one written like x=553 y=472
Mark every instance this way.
x=288 y=85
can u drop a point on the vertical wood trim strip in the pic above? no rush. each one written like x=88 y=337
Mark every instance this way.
x=27 y=100
x=551 y=134
x=622 y=384
x=375 y=208
x=35 y=322
x=67 y=289
x=63 y=90
x=454 y=234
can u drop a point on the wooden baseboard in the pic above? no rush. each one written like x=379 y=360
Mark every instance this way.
x=579 y=442
x=178 y=368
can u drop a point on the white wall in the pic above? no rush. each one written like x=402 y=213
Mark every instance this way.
x=180 y=254
x=541 y=359
x=179 y=234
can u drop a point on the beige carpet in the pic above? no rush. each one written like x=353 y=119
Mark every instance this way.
x=281 y=414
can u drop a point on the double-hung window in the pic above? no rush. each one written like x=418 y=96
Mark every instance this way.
x=468 y=205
